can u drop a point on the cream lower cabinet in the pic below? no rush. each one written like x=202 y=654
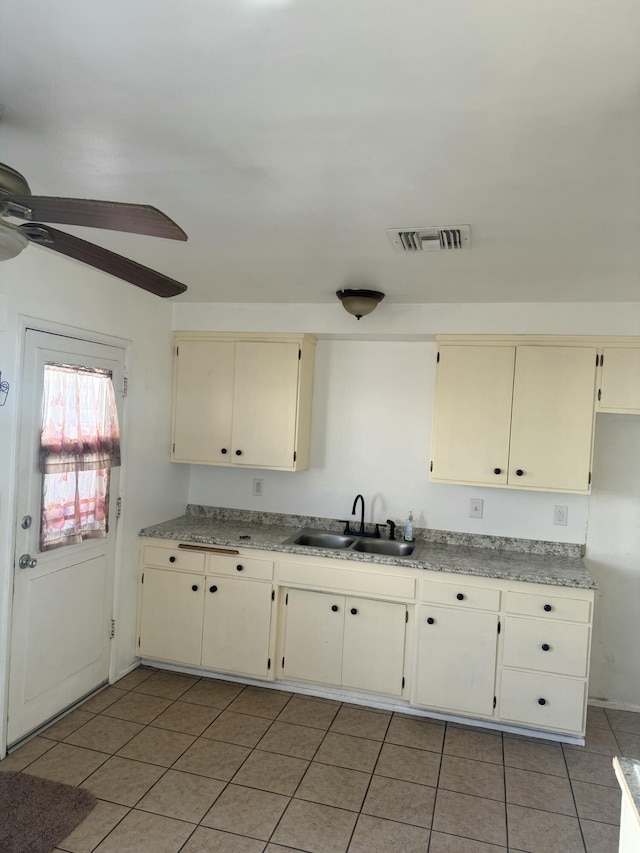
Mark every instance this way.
x=217 y=614
x=344 y=641
x=545 y=659
x=518 y=416
x=457 y=648
x=242 y=400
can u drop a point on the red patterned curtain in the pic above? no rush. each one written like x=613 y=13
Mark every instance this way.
x=80 y=442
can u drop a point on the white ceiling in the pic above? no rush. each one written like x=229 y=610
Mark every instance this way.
x=286 y=136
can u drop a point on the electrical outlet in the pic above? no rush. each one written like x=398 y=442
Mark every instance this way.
x=475 y=508
x=560 y=514
x=258 y=486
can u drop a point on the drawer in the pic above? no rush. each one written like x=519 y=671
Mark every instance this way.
x=545 y=645
x=476 y=597
x=543 y=701
x=240 y=566
x=549 y=606
x=346 y=580
x=172 y=558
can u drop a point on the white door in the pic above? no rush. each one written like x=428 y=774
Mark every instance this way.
x=63 y=598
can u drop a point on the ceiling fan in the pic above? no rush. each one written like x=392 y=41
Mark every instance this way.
x=16 y=201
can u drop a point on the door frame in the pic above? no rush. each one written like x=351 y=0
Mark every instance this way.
x=27 y=322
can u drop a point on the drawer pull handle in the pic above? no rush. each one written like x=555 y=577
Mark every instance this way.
x=172 y=559
x=519 y=472
x=545 y=647
x=548 y=608
x=223 y=450
x=460 y=596
x=239 y=567
x=334 y=607
x=195 y=587
x=354 y=611
x=238 y=453
x=542 y=701
x=213 y=589
x=430 y=620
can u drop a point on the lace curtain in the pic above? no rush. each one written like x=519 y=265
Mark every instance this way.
x=80 y=442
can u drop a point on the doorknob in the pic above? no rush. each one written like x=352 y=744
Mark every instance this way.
x=26 y=561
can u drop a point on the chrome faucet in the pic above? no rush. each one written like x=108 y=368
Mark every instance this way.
x=353 y=512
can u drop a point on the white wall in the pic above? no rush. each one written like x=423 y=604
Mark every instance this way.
x=55 y=290
x=371 y=434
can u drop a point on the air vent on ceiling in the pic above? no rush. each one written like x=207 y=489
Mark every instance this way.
x=430 y=239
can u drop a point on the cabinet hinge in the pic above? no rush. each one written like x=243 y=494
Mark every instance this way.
x=177 y=351
x=269 y=664
x=601 y=360
x=589 y=477
x=431 y=466
x=295 y=455
x=403 y=682
x=438 y=359
x=138 y=642
x=406 y=617
x=283 y=663
x=112 y=629
x=499 y=627
x=273 y=595
x=125 y=386
x=599 y=394
x=118 y=507
x=299 y=353
x=286 y=600
x=495 y=701
x=174 y=447
x=142 y=581
x=597 y=359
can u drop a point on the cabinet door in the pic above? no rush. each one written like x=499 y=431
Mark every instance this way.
x=237 y=623
x=456 y=659
x=313 y=636
x=472 y=414
x=552 y=418
x=265 y=404
x=620 y=380
x=373 y=654
x=171 y=616
x=202 y=402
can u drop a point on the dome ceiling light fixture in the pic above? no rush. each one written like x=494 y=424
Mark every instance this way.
x=359 y=302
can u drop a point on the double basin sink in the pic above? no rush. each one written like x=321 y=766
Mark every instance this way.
x=350 y=542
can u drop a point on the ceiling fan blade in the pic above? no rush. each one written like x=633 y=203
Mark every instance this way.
x=102 y=259
x=111 y=215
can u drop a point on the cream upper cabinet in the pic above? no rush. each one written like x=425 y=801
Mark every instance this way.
x=516 y=416
x=242 y=401
x=620 y=380
x=472 y=414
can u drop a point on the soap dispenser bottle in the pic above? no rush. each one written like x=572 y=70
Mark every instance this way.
x=408 y=528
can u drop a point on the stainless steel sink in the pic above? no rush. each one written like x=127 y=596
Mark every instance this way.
x=390 y=548
x=321 y=539
x=340 y=542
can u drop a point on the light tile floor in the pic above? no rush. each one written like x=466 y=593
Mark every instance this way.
x=200 y=765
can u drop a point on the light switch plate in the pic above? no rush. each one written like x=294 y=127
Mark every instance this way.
x=475 y=508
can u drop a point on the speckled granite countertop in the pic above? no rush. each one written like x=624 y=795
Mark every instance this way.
x=628 y=773
x=439 y=551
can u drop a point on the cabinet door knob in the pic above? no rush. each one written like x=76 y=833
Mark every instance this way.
x=497 y=470
x=238 y=453
x=354 y=611
x=545 y=647
x=223 y=450
x=334 y=607
x=195 y=587
x=430 y=620
x=239 y=567
x=519 y=472
x=460 y=596
x=548 y=608
x=213 y=589
x=172 y=559
x=542 y=701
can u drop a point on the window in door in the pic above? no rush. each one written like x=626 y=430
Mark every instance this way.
x=79 y=444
